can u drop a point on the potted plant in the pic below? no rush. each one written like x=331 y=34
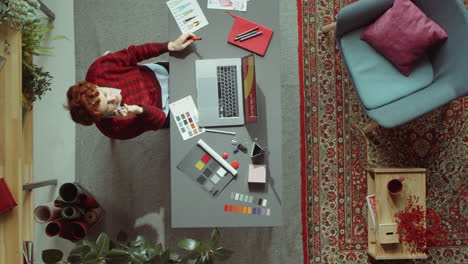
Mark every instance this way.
x=417 y=228
x=139 y=251
x=22 y=15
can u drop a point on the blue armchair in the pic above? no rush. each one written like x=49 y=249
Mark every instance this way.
x=390 y=98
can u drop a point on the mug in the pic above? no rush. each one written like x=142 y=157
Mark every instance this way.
x=395 y=186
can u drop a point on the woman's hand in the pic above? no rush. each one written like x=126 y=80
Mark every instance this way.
x=182 y=42
x=128 y=110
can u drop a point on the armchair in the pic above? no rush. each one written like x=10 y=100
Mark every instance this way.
x=390 y=98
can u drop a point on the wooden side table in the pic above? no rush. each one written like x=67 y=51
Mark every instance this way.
x=387 y=205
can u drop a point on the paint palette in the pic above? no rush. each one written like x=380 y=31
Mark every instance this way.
x=207 y=168
x=185 y=114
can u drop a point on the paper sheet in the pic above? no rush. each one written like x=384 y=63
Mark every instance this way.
x=239 y=5
x=185 y=114
x=187 y=14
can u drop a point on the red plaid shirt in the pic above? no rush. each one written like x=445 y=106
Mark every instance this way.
x=139 y=87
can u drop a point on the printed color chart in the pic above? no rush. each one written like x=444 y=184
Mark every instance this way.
x=207 y=168
x=186 y=117
x=248 y=199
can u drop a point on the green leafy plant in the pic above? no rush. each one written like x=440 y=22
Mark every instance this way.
x=139 y=251
x=15 y=14
x=36 y=82
x=22 y=15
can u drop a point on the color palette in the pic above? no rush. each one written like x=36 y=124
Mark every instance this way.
x=246 y=210
x=207 y=168
x=248 y=199
x=185 y=114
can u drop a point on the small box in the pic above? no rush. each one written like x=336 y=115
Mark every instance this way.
x=257 y=173
x=388 y=234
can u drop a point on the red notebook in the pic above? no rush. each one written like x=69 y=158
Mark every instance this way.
x=258 y=44
x=6 y=198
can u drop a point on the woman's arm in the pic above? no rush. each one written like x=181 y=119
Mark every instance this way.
x=151 y=118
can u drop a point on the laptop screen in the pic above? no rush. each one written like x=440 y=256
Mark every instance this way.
x=249 y=85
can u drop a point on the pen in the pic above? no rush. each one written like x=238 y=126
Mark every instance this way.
x=245 y=35
x=251 y=36
x=194 y=38
x=248 y=31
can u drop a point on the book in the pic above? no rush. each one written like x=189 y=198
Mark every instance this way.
x=7 y=201
x=371 y=205
x=258 y=44
x=27 y=252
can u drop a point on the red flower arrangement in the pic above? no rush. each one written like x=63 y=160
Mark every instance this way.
x=412 y=229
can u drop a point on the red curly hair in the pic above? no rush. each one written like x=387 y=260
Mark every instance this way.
x=82 y=103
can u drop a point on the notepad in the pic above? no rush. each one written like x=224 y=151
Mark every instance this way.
x=258 y=44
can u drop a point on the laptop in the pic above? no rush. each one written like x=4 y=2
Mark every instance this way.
x=226 y=91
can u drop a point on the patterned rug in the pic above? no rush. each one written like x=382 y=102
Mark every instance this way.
x=335 y=153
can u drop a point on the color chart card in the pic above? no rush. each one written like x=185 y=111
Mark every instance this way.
x=206 y=170
x=187 y=14
x=185 y=114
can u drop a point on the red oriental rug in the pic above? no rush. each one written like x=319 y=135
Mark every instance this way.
x=335 y=152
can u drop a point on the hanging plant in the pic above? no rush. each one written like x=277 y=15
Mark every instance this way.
x=418 y=228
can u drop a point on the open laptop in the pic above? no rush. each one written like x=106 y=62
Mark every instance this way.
x=226 y=91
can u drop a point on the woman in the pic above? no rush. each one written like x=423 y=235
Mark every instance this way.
x=124 y=99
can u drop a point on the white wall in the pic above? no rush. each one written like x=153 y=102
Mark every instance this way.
x=54 y=132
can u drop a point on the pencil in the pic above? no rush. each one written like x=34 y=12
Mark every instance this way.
x=248 y=31
x=251 y=36
x=245 y=35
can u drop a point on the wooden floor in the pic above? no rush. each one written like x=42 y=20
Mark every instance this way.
x=16 y=160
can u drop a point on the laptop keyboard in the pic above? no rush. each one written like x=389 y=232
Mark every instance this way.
x=227 y=91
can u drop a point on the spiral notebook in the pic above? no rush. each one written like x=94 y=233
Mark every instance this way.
x=257 y=45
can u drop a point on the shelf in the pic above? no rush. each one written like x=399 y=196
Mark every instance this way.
x=16 y=153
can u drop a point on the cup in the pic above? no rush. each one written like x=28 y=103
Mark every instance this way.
x=395 y=186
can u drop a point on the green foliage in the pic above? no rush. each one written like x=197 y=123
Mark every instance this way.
x=139 y=251
x=15 y=14
x=36 y=82
x=22 y=15
x=32 y=36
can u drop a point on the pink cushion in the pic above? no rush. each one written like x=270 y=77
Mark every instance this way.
x=403 y=34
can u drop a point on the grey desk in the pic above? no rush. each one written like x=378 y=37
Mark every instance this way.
x=190 y=205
